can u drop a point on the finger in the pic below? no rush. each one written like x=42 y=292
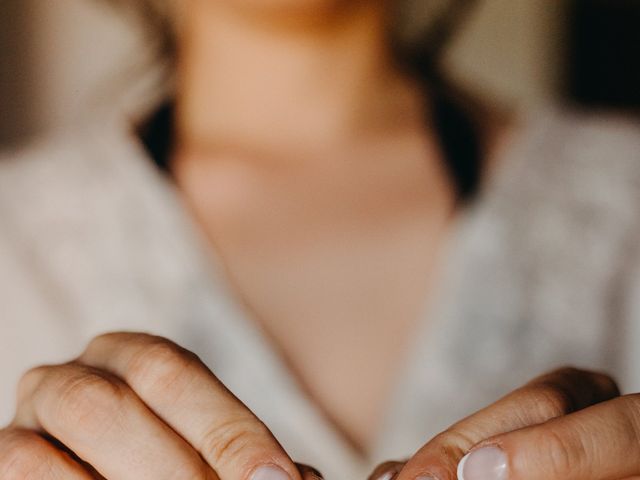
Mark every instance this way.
x=309 y=473
x=63 y=448
x=105 y=424
x=598 y=443
x=387 y=471
x=25 y=454
x=545 y=398
x=180 y=389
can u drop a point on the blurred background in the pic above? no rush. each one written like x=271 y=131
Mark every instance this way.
x=55 y=56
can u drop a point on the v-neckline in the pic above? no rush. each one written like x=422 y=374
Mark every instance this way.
x=159 y=124
x=264 y=364
x=267 y=362
x=267 y=366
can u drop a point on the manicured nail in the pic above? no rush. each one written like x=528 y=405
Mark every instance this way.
x=387 y=471
x=311 y=474
x=388 y=475
x=270 y=472
x=487 y=463
x=426 y=478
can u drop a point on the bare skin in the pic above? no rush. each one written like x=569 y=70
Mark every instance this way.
x=136 y=407
x=306 y=158
x=565 y=425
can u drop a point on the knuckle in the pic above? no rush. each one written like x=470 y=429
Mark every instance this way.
x=159 y=365
x=97 y=341
x=600 y=380
x=89 y=400
x=557 y=453
x=568 y=390
x=30 y=381
x=22 y=456
x=550 y=400
x=569 y=371
x=107 y=339
x=630 y=412
x=632 y=402
x=453 y=443
x=109 y=342
x=606 y=384
x=562 y=455
x=225 y=442
x=190 y=470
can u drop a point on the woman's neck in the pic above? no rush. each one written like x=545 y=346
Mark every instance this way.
x=288 y=82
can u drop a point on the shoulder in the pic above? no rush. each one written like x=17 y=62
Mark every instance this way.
x=580 y=168
x=61 y=160
x=575 y=152
x=82 y=203
x=546 y=253
x=605 y=143
x=78 y=177
x=562 y=208
x=93 y=234
x=601 y=126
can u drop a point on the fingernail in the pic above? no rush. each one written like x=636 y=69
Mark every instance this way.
x=426 y=478
x=388 y=475
x=270 y=472
x=487 y=463
x=312 y=474
x=387 y=471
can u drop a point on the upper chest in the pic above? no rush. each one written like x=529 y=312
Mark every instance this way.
x=334 y=264
x=323 y=231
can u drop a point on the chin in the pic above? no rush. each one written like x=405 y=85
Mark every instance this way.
x=293 y=8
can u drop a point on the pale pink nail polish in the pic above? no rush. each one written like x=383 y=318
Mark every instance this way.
x=270 y=472
x=388 y=475
x=487 y=463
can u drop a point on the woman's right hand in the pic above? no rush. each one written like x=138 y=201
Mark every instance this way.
x=136 y=407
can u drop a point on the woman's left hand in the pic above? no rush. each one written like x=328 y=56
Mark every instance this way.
x=567 y=425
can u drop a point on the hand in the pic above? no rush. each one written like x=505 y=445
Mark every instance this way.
x=136 y=407
x=568 y=425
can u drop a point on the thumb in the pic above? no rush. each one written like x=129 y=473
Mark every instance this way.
x=550 y=396
x=598 y=443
